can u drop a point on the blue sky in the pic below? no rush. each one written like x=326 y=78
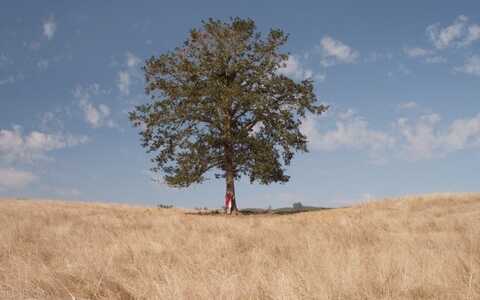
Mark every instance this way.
x=402 y=79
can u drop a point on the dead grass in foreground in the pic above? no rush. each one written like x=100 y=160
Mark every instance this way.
x=411 y=248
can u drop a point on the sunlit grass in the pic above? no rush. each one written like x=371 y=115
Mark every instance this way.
x=410 y=248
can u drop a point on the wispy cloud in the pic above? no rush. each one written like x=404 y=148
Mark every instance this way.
x=461 y=33
x=132 y=60
x=126 y=76
x=25 y=148
x=123 y=82
x=437 y=59
x=293 y=68
x=421 y=138
x=43 y=64
x=49 y=27
x=408 y=105
x=335 y=51
x=471 y=66
x=472 y=35
x=428 y=55
x=12 y=179
x=417 y=51
x=425 y=140
x=447 y=36
x=95 y=115
x=351 y=132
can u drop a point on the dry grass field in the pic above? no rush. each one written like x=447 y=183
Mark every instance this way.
x=410 y=248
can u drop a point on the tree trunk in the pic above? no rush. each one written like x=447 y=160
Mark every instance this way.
x=230 y=182
x=230 y=201
x=230 y=194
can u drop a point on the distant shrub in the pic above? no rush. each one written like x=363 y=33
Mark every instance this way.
x=201 y=208
x=297 y=205
x=164 y=206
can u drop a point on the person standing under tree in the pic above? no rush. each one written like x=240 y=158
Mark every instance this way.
x=229 y=199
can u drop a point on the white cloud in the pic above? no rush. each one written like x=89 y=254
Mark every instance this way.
x=11 y=144
x=351 y=131
x=425 y=140
x=43 y=64
x=417 y=52
x=473 y=35
x=39 y=141
x=132 y=60
x=105 y=110
x=425 y=137
x=49 y=117
x=459 y=34
x=15 y=179
x=53 y=120
x=49 y=27
x=123 y=82
x=408 y=105
x=420 y=137
x=471 y=66
x=95 y=116
x=463 y=133
x=17 y=147
x=427 y=55
x=401 y=69
x=334 y=51
x=446 y=37
x=293 y=68
x=436 y=59
x=126 y=77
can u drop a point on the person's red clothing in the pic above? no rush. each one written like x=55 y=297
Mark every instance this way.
x=228 y=200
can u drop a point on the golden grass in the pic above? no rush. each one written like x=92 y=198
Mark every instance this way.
x=410 y=248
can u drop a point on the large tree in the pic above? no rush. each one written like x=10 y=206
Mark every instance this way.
x=220 y=102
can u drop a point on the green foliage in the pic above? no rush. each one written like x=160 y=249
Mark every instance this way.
x=219 y=103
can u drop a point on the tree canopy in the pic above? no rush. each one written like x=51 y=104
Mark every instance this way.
x=219 y=102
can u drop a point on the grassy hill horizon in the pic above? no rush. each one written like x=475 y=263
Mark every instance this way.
x=416 y=247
